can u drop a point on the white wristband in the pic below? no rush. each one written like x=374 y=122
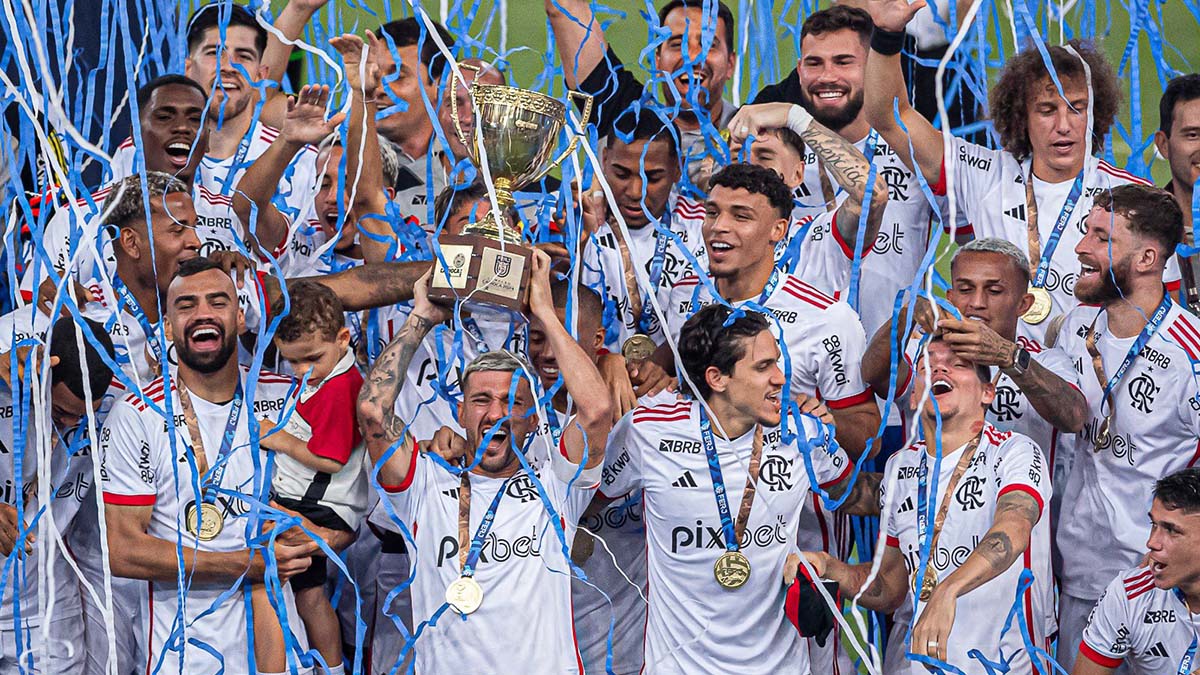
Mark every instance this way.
x=798 y=119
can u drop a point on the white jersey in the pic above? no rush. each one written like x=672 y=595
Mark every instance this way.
x=523 y=568
x=694 y=625
x=815 y=251
x=1010 y=409
x=70 y=484
x=1137 y=623
x=1153 y=434
x=616 y=573
x=895 y=255
x=216 y=180
x=604 y=269
x=1004 y=462
x=142 y=466
x=990 y=200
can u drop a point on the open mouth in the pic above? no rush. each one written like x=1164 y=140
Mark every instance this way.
x=940 y=387
x=206 y=338
x=178 y=153
x=1087 y=271
x=829 y=95
x=1063 y=147
x=774 y=399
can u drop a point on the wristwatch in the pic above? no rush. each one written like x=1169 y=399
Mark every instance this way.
x=1020 y=362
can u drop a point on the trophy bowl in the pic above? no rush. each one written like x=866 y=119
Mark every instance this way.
x=516 y=134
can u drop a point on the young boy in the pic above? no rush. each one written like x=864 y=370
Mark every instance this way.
x=318 y=462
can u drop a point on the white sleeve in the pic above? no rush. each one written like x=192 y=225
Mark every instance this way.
x=1106 y=637
x=1055 y=360
x=974 y=171
x=825 y=260
x=622 y=459
x=829 y=462
x=128 y=470
x=840 y=383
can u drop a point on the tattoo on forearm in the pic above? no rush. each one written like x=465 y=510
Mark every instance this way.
x=1022 y=505
x=386 y=378
x=840 y=156
x=997 y=549
x=864 y=494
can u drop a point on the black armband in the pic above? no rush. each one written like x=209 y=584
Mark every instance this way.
x=887 y=42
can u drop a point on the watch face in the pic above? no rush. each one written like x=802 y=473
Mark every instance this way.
x=1022 y=359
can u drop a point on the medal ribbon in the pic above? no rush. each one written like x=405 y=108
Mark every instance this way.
x=1148 y=331
x=656 y=270
x=1189 y=657
x=930 y=578
x=1031 y=213
x=470 y=558
x=472 y=327
x=733 y=534
x=135 y=308
x=210 y=478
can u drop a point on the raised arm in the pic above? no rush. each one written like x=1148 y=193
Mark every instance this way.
x=849 y=166
x=364 y=177
x=366 y=286
x=377 y=418
x=588 y=433
x=883 y=85
x=581 y=44
x=1016 y=514
x=290 y=22
x=305 y=123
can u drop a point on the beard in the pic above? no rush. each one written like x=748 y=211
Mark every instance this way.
x=208 y=362
x=835 y=120
x=1114 y=285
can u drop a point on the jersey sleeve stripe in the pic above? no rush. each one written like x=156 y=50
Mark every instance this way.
x=1096 y=657
x=846 y=246
x=893 y=542
x=850 y=401
x=842 y=477
x=939 y=188
x=408 y=477
x=129 y=500
x=802 y=295
x=1121 y=173
x=1134 y=593
x=1138 y=579
x=1027 y=489
x=798 y=284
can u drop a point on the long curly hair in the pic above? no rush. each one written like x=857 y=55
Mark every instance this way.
x=1026 y=71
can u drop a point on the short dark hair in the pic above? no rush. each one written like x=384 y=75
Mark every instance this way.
x=838 y=17
x=1180 y=490
x=756 y=180
x=69 y=371
x=408 y=32
x=210 y=16
x=1152 y=212
x=790 y=138
x=147 y=90
x=723 y=14
x=705 y=341
x=314 y=309
x=452 y=198
x=588 y=302
x=644 y=124
x=1026 y=70
x=194 y=266
x=1179 y=90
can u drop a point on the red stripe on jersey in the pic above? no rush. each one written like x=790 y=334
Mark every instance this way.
x=1027 y=489
x=1137 y=579
x=127 y=143
x=408 y=477
x=689 y=280
x=268 y=133
x=1195 y=456
x=1140 y=590
x=802 y=295
x=128 y=500
x=846 y=246
x=1121 y=173
x=892 y=541
x=820 y=513
x=1188 y=336
x=1173 y=286
x=850 y=401
x=661 y=418
x=1097 y=657
x=842 y=477
x=939 y=188
x=1185 y=344
x=799 y=284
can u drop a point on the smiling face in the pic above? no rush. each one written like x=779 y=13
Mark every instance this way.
x=485 y=402
x=174 y=139
x=326 y=201
x=204 y=320
x=754 y=385
x=1058 y=128
x=740 y=231
x=988 y=287
x=218 y=68
x=405 y=77
x=1181 y=148
x=1106 y=254
x=623 y=168
x=831 y=69
x=1174 y=541
x=541 y=354
x=696 y=77
x=953 y=383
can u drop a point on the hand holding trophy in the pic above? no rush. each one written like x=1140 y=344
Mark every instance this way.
x=488 y=265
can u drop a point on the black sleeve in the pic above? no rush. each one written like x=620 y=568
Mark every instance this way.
x=784 y=91
x=614 y=90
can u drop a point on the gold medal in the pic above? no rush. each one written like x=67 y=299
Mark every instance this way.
x=208 y=525
x=638 y=348
x=926 y=588
x=1102 y=434
x=464 y=595
x=732 y=570
x=583 y=547
x=1041 y=307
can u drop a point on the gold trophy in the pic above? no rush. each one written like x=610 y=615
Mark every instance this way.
x=488 y=265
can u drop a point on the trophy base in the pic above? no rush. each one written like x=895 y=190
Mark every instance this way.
x=482 y=275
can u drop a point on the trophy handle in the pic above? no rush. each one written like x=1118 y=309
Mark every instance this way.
x=454 y=79
x=587 y=112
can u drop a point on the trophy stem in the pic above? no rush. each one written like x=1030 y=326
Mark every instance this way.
x=495 y=225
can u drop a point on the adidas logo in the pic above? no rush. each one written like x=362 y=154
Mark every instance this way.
x=452 y=493
x=907 y=505
x=1017 y=212
x=685 y=481
x=1159 y=650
